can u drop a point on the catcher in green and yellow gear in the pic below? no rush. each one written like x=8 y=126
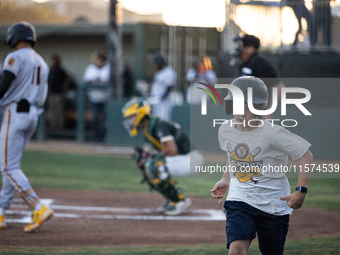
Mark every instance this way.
x=173 y=156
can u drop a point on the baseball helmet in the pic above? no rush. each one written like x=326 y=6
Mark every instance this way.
x=137 y=108
x=260 y=93
x=21 y=31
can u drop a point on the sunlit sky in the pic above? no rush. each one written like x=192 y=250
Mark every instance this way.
x=262 y=21
x=179 y=12
x=182 y=12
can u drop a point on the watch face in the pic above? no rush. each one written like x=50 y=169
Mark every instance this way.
x=302 y=189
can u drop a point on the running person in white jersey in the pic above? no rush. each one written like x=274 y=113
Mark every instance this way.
x=259 y=200
x=164 y=80
x=23 y=89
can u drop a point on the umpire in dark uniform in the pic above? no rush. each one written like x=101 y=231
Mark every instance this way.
x=254 y=64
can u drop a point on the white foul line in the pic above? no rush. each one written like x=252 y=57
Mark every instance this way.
x=210 y=215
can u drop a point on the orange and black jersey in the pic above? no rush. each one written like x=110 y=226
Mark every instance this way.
x=159 y=130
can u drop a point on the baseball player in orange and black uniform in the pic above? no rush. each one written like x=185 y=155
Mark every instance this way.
x=23 y=89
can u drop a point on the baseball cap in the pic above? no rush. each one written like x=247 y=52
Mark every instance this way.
x=158 y=59
x=99 y=54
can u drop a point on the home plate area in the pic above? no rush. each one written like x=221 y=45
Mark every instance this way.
x=106 y=218
x=18 y=213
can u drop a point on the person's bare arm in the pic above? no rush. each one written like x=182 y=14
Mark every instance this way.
x=169 y=148
x=221 y=186
x=296 y=199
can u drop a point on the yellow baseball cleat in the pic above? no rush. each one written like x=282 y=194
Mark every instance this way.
x=39 y=217
x=2 y=222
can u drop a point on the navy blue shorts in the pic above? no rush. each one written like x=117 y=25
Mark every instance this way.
x=244 y=221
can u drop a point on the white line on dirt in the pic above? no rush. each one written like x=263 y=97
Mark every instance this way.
x=209 y=214
x=219 y=216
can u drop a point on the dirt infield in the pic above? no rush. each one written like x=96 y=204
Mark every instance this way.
x=88 y=218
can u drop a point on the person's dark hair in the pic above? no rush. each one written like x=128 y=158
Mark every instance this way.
x=158 y=60
x=56 y=58
x=251 y=40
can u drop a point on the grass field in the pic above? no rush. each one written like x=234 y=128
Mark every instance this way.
x=312 y=246
x=94 y=172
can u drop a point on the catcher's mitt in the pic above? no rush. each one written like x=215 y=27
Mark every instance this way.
x=140 y=156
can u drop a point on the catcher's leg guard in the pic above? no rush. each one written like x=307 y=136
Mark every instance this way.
x=146 y=178
x=161 y=180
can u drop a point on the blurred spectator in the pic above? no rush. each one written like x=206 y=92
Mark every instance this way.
x=97 y=77
x=202 y=73
x=323 y=19
x=126 y=79
x=163 y=82
x=1 y=67
x=71 y=104
x=254 y=64
x=58 y=83
x=1 y=110
x=300 y=12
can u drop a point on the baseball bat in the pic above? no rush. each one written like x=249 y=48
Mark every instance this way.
x=255 y=151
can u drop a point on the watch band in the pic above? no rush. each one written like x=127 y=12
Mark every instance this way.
x=302 y=189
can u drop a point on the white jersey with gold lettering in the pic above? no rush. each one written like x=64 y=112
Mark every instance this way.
x=31 y=73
